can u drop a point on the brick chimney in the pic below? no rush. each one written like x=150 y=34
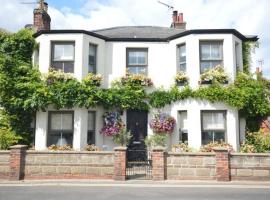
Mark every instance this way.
x=42 y=20
x=178 y=21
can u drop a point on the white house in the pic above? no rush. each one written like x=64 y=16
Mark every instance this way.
x=158 y=52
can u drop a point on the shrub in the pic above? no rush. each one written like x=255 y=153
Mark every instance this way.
x=60 y=148
x=8 y=138
x=122 y=138
x=210 y=147
x=256 y=142
x=156 y=140
x=91 y=147
x=181 y=147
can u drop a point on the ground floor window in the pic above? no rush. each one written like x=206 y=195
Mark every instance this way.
x=91 y=127
x=61 y=125
x=213 y=126
x=183 y=131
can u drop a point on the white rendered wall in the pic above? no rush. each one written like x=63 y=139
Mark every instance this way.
x=194 y=108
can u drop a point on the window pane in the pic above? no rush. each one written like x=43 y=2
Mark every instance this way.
x=205 y=65
x=183 y=67
x=68 y=67
x=213 y=121
x=207 y=137
x=91 y=121
x=92 y=58
x=182 y=53
x=67 y=121
x=91 y=137
x=58 y=65
x=216 y=52
x=63 y=52
x=205 y=52
x=183 y=120
x=137 y=57
x=219 y=136
x=55 y=121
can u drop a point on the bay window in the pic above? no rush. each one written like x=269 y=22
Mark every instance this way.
x=181 y=50
x=63 y=56
x=92 y=59
x=213 y=126
x=91 y=127
x=137 y=60
x=60 y=128
x=211 y=55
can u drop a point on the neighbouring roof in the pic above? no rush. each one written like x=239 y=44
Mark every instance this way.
x=146 y=33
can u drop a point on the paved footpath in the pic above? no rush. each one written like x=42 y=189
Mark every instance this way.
x=103 y=190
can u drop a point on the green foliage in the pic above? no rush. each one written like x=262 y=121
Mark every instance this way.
x=156 y=140
x=216 y=75
x=7 y=136
x=256 y=142
x=247 y=48
x=122 y=138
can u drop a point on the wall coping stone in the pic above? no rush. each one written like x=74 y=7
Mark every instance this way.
x=159 y=148
x=120 y=148
x=221 y=149
x=192 y=153
x=251 y=154
x=4 y=152
x=19 y=147
x=69 y=152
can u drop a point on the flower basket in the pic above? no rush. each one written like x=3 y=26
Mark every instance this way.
x=181 y=79
x=215 y=75
x=162 y=124
x=92 y=80
x=112 y=124
x=136 y=79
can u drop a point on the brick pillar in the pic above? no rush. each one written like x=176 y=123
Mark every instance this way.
x=222 y=164
x=158 y=162
x=16 y=162
x=120 y=159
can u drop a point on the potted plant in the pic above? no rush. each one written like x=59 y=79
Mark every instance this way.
x=136 y=79
x=112 y=124
x=181 y=78
x=122 y=138
x=215 y=75
x=162 y=123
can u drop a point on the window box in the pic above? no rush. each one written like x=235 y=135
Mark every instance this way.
x=215 y=75
x=181 y=79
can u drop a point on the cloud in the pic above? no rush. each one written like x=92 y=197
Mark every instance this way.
x=248 y=16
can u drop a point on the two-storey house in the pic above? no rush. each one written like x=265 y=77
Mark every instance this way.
x=158 y=52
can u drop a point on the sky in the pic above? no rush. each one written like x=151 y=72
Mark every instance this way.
x=250 y=17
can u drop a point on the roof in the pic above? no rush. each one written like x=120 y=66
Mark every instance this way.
x=146 y=33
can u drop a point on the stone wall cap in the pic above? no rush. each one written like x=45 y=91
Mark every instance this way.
x=158 y=148
x=220 y=149
x=251 y=154
x=120 y=148
x=18 y=146
x=191 y=153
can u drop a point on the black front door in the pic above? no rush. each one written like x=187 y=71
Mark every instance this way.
x=137 y=125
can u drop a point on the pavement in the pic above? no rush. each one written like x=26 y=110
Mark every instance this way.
x=133 y=189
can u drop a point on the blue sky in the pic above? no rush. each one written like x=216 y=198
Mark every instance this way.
x=250 y=17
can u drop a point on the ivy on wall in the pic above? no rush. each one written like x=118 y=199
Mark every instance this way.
x=23 y=90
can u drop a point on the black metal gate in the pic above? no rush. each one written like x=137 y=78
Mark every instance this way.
x=139 y=164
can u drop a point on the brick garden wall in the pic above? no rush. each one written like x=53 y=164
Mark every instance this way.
x=85 y=165
x=4 y=164
x=190 y=166
x=250 y=166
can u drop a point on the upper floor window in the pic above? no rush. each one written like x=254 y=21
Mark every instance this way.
x=137 y=61
x=213 y=126
x=181 y=49
x=63 y=56
x=92 y=58
x=211 y=54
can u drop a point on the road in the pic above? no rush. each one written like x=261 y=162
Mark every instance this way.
x=130 y=193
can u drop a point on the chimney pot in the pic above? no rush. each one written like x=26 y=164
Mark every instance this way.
x=178 y=21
